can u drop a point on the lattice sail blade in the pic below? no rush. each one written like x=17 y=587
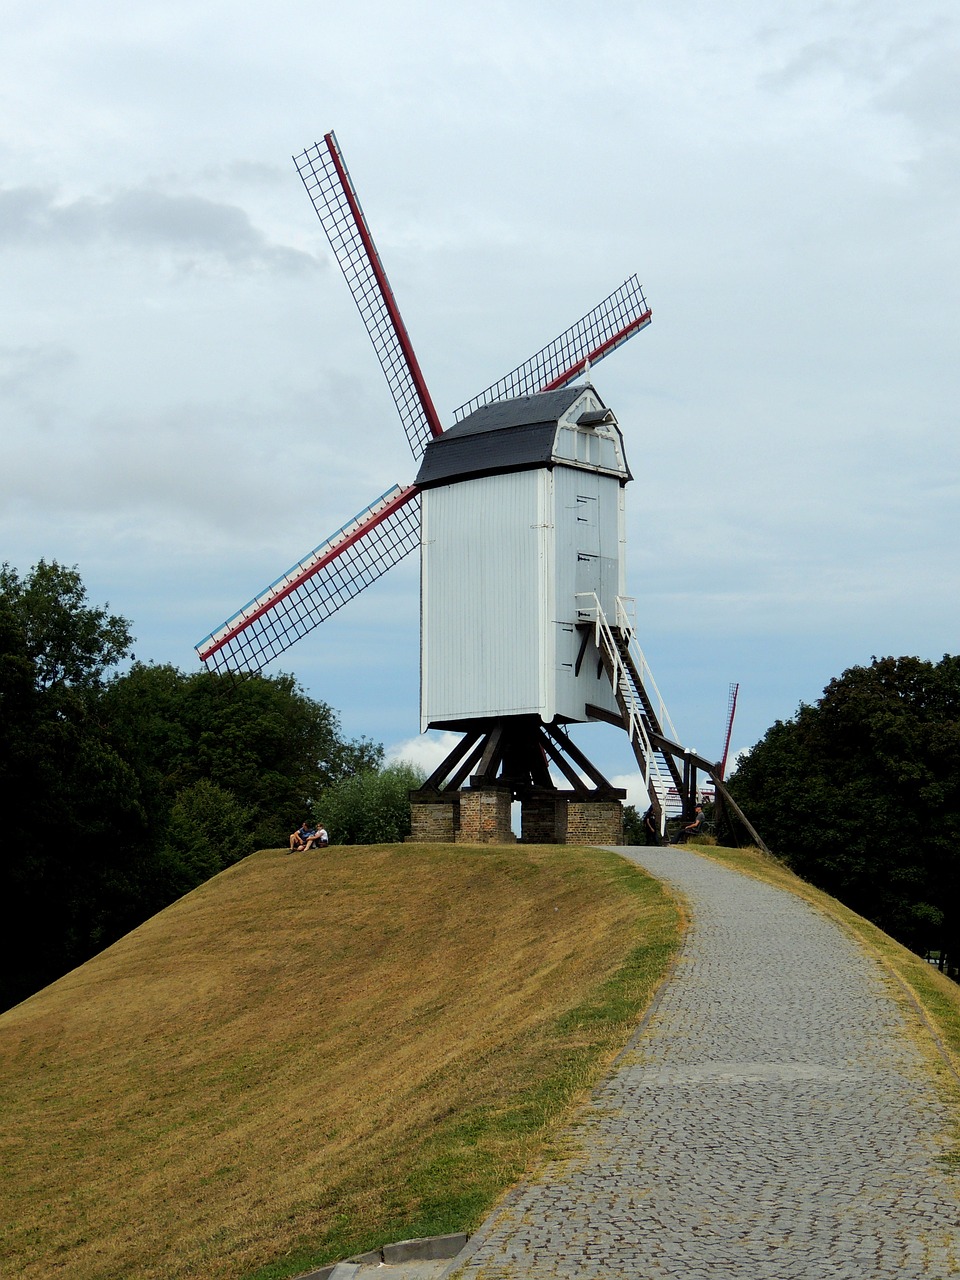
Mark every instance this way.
x=318 y=585
x=611 y=323
x=330 y=188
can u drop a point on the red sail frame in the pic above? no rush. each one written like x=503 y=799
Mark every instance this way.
x=388 y=530
x=325 y=177
x=318 y=585
x=612 y=322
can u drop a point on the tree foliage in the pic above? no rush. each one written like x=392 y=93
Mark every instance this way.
x=634 y=831
x=122 y=790
x=860 y=793
x=208 y=828
x=370 y=807
x=66 y=642
x=259 y=738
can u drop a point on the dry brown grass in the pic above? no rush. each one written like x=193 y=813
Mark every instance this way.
x=300 y=1054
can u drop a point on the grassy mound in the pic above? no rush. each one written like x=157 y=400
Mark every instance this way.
x=311 y=1055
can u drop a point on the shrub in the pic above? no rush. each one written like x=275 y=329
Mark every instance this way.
x=371 y=807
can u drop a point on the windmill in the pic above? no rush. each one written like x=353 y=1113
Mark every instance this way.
x=732 y=696
x=518 y=510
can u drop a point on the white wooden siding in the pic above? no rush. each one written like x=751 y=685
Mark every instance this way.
x=503 y=558
x=484 y=556
x=502 y=563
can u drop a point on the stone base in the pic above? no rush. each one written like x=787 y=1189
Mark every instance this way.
x=482 y=816
x=594 y=822
x=434 y=817
x=543 y=819
x=485 y=816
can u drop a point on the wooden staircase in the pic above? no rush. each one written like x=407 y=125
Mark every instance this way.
x=669 y=770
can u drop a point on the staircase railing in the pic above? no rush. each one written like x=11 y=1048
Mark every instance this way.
x=644 y=715
x=623 y=680
x=626 y=623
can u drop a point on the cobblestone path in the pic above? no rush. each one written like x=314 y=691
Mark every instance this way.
x=772 y=1121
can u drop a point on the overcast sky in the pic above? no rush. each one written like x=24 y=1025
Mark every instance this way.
x=189 y=401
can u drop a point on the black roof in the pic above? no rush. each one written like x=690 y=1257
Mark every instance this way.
x=524 y=411
x=507 y=435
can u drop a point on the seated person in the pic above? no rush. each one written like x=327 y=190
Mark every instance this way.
x=691 y=828
x=299 y=838
x=317 y=840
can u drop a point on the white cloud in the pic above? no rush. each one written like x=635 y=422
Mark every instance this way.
x=189 y=225
x=426 y=752
x=632 y=783
x=190 y=402
x=23 y=367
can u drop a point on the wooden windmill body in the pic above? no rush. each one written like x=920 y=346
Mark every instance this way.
x=518 y=512
x=523 y=514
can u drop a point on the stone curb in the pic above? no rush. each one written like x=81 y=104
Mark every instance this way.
x=426 y=1249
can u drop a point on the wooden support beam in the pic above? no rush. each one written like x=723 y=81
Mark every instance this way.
x=584 y=641
x=458 y=778
x=450 y=761
x=601 y=713
x=490 y=759
x=576 y=755
x=567 y=769
x=526 y=758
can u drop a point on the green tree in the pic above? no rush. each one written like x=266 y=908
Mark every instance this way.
x=208 y=830
x=74 y=824
x=260 y=739
x=371 y=807
x=68 y=642
x=122 y=791
x=860 y=793
x=633 y=832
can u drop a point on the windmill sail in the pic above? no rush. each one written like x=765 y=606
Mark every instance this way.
x=329 y=186
x=318 y=585
x=617 y=318
x=389 y=529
